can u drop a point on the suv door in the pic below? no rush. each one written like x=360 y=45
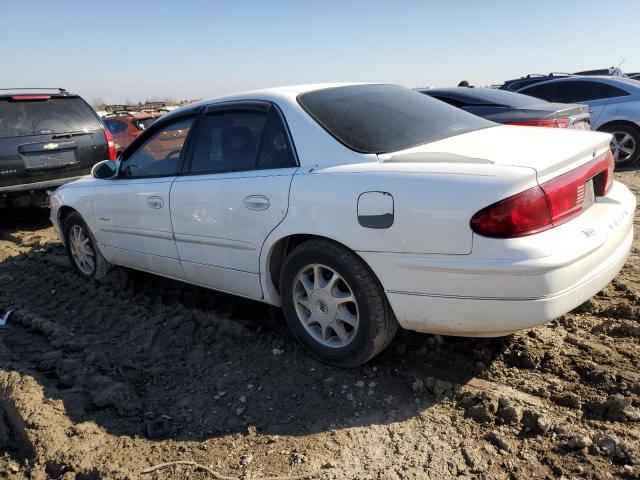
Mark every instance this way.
x=235 y=192
x=132 y=210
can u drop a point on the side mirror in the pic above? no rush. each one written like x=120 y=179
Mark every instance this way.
x=105 y=170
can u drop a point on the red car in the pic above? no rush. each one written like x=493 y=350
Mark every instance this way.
x=126 y=122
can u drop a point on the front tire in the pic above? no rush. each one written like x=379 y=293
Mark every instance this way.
x=82 y=249
x=334 y=304
x=625 y=145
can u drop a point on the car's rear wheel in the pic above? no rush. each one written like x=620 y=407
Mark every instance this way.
x=334 y=304
x=82 y=250
x=625 y=144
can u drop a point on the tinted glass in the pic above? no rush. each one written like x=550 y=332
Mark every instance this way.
x=144 y=123
x=482 y=96
x=159 y=154
x=240 y=140
x=570 y=92
x=115 y=126
x=545 y=91
x=386 y=118
x=56 y=115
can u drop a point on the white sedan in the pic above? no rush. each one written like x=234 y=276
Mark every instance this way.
x=357 y=208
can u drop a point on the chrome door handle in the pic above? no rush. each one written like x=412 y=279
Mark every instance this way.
x=256 y=202
x=155 y=202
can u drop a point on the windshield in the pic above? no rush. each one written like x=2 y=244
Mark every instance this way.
x=41 y=117
x=386 y=118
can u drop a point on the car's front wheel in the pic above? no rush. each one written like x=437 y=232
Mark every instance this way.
x=334 y=304
x=82 y=250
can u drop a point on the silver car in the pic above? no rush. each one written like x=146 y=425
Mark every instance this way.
x=614 y=104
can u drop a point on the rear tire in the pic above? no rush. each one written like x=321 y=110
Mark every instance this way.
x=625 y=144
x=334 y=304
x=82 y=249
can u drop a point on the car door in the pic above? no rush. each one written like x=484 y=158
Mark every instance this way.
x=132 y=211
x=235 y=191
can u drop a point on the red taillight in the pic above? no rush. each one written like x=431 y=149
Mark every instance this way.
x=548 y=205
x=111 y=145
x=554 y=123
x=30 y=98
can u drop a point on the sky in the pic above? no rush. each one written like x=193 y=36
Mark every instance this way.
x=135 y=50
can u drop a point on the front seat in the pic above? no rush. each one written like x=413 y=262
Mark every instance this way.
x=239 y=147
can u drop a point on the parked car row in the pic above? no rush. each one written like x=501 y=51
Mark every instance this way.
x=126 y=122
x=613 y=101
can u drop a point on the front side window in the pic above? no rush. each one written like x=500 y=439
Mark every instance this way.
x=386 y=118
x=160 y=154
x=238 y=140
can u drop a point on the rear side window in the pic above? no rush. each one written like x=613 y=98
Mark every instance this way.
x=386 y=118
x=241 y=140
x=569 y=92
x=56 y=115
x=115 y=126
x=545 y=91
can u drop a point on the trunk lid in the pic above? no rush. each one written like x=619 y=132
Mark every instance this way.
x=549 y=151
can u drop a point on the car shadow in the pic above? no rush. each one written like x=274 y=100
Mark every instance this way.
x=143 y=355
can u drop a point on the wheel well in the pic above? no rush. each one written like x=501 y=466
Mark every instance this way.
x=282 y=248
x=63 y=213
x=619 y=122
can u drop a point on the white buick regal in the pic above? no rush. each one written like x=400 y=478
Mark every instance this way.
x=357 y=208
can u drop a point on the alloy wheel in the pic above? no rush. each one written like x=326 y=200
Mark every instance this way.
x=623 y=146
x=325 y=305
x=82 y=250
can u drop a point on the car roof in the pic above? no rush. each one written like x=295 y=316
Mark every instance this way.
x=611 y=80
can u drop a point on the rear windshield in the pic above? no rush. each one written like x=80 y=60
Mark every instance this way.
x=41 y=117
x=386 y=118
x=144 y=123
x=487 y=96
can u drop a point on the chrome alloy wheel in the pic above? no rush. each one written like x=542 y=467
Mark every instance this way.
x=325 y=305
x=623 y=146
x=81 y=250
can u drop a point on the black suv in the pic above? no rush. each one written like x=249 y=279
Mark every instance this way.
x=48 y=137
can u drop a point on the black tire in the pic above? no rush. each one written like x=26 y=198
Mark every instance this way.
x=101 y=266
x=376 y=325
x=618 y=129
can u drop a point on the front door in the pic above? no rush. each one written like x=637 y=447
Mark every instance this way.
x=132 y=211
x=234 y=193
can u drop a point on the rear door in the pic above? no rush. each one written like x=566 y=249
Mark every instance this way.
x=235 y=192
x=132 y=211
x=44 y=138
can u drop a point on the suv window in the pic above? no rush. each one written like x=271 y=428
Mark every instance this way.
x=241 y=140
x=115 y=126
x=386 y=118
x=19 y=118
x=160 y=153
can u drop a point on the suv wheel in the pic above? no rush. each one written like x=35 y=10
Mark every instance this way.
x=334 y=305
x=625 y=144
x=82 y=250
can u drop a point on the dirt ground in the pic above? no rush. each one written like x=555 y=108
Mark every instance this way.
x=102 y=381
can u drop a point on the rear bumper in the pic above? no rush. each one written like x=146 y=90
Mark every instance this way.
x=481 y=295
x=36 y=186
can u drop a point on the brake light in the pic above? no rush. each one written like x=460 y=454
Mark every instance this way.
x=30 y=98
x=553 y=123
x=545 y=206
x=111 y=145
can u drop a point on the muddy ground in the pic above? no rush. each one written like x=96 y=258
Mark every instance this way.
x=105 y=380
